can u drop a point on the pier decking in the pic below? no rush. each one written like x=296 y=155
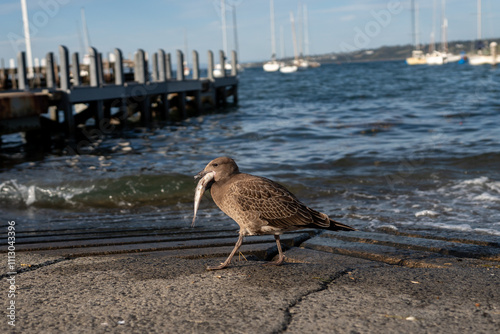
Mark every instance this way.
x=63 y=97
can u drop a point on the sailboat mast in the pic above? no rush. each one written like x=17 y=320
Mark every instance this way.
x=444 y=27
x=235 y=31
x=432 y=45
x=306 y=31
x=417 y=40
x=413 y=23
x=282 y=42
x=479 y=33
x=294 y=35
x=224 y=33
x=300 y=39
x=85 y=31
x=273 y=33
x=27 y=38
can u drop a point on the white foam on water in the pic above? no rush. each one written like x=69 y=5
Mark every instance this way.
x=427 y=213
x=483 y=184
x=488 y=231
x=477 y=181
x=31 y=196
x=12 y=191
x=486 y=197
x=478 y=191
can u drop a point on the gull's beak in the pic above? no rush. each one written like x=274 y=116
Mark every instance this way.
x=200 y=175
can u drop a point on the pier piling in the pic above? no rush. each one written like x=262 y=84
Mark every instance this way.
x=21 y=71
x=75 y=70
x=71 y=93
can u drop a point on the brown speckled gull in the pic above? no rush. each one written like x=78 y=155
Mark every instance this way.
x=258 y=205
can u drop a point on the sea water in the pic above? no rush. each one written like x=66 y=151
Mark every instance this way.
x=374 y=145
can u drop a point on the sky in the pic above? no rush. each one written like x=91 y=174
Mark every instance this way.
x=333 y=25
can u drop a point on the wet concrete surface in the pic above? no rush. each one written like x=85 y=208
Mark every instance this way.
x=319 y=289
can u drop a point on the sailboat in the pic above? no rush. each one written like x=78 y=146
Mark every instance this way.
x=218 y=70
x=290 y=68
x=300 y=61
x=306 y=39
x=491 y=59
x=480 y=58
x=435 y=57
x=417 y=55
x=235 y=35
x=272 y=65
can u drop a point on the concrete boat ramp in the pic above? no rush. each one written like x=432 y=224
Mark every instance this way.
x=154 y=280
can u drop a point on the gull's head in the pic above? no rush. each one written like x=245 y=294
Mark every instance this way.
x=221 y=168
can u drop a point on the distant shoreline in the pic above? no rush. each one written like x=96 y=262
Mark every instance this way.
x=384 y=53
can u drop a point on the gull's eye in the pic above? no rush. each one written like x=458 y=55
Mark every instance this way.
x=215 y=165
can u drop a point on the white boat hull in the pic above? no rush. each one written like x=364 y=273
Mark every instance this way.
x=435 y=60
x=483 y=60
x=288 y=69
x=271 y=66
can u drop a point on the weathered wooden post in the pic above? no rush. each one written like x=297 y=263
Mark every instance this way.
x=50 y=78
x=210 y=65
x=161 y=65
x=221 y=91
x=65 y=86
x=180 y=66
x=37 y=82
x=234 y=64
x=181 y=96
x=140 y=66
x=3 y=75
x=210 y=75
x=196 y=65
x=118 y=67
x=64 y=71
x=100 y=71
x=234 y=73
x=49 y=71
x=155 y=67
x=121 y=102
x=95 y=82
x=162 y=77
x=21 y=71
x=94 y=67
x=168 y=66
x=222 y=59
x=140 y=75
x=196 y=76
x=75 y=70
x=493 y=52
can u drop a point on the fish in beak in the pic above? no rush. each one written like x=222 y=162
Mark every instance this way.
x=206 y=178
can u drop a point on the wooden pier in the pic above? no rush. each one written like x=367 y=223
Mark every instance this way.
x=64 y=97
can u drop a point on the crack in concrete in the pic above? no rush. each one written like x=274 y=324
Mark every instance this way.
x=35 y=267
x=324 y=284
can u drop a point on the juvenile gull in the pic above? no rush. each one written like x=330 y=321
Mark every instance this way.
x=258 y=205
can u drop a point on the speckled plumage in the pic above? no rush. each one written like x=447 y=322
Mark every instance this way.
x=260 y=206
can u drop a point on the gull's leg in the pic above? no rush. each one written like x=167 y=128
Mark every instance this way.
x=281 y=257
x=228 y=260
